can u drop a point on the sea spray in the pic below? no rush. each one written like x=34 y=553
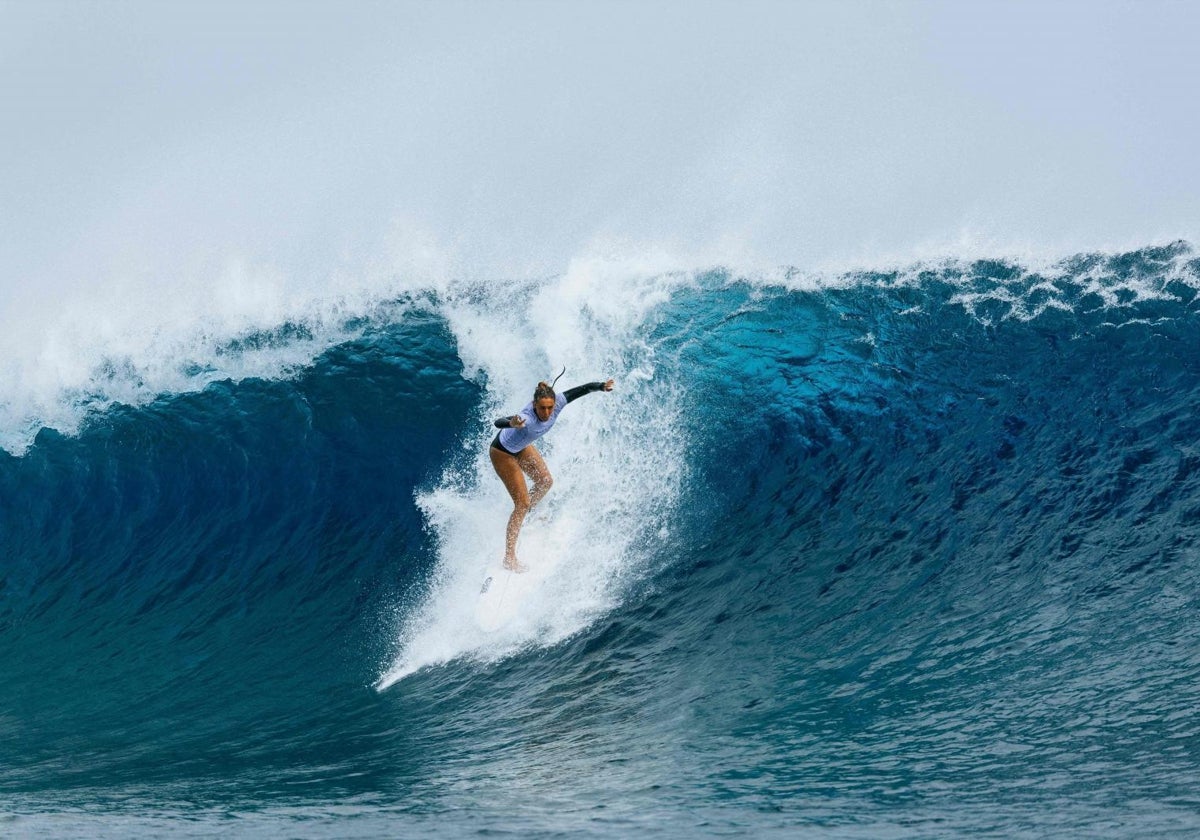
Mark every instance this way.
x=615 y=458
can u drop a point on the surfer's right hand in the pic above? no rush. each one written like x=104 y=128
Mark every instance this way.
x=517 y=421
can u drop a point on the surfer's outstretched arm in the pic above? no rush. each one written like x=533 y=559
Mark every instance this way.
x=571 y=394
x=590 y=388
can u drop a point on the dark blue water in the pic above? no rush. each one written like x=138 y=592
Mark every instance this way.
x=913 y=553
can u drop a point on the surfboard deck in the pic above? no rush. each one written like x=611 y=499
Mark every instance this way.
x=502 y=593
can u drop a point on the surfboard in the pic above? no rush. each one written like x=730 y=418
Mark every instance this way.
x=499 y=597
x=503 y=593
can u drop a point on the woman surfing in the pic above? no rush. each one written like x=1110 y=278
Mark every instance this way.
x=514 y=456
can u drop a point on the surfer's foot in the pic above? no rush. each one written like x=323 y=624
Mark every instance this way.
x=514 y=565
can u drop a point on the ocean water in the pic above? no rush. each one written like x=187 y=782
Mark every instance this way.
x=911 y=551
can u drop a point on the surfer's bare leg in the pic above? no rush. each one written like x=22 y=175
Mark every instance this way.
x=534 y=467
x=509 y=470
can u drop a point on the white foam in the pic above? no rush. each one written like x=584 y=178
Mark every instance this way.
x=617 y=460
x=129 y=340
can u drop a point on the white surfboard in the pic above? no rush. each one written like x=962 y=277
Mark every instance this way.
x=503 y=593
x=500 y=597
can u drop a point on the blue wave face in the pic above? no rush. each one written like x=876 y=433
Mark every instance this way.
x=912 y=549
x=184 y=574
x=946 y=557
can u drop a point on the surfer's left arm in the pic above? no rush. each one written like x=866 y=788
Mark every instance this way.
x=591 y=387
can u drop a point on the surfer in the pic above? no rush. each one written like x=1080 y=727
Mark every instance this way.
x=514 y=456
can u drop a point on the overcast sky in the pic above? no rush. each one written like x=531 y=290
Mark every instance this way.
x=165 y=139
